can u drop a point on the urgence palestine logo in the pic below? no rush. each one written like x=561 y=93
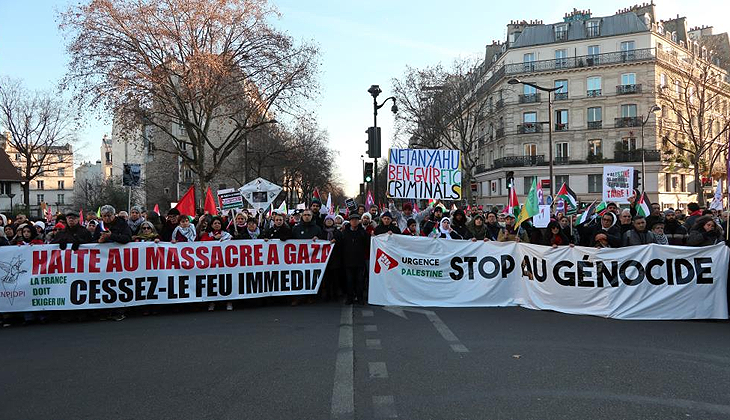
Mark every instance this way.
x=10 y=277
x=384 y=260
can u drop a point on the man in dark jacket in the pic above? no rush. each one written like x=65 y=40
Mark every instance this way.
x=694 y=212
x=279 y=230
x=317 y=217
x=432 y=222
x=355 y=244
x=306 y=228
x=458 y=223
x=74 y=234
x=386 y=225
x=493 y=227
x=112 y=228
x=640 y=234
x=655 y=216
x=675 y=232
x=171 y=222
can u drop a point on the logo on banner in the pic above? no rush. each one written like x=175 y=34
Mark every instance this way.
x=384 y=260
x=9 y=279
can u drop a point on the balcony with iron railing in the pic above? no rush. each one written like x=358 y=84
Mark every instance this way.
x=593 y=93
x=646 y=54
x=623 y=122
x=561 y=126
x=518 y=161
x=529 y=128
x=561 y=160
x=595 y=125
x=628 y=89
x=636 y=154
x=530 y=98
x=561 y=96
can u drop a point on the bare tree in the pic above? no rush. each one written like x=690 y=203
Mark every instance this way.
x=443 y=109
x=41 y=131
x=208 y=73
x=695 y=119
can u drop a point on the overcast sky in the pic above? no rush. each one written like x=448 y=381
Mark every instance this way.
x=362 y=43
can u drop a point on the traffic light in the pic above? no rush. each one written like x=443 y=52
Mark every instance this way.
x=636 y=179
x=373 y=142
x=510 y=179
x=367 y=176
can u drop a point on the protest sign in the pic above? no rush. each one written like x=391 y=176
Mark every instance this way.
x=44 y=277
x=424 y=174
x=618 y=183
x=542 y=219
x=230 y=199
x=260 y=193
x=637 y=282
x=131 y=175
x=351 y=205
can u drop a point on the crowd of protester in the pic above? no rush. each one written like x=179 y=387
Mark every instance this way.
x=347 y=270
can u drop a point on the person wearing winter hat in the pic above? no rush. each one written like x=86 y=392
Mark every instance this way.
x=674 y=230
x=40 y=228
x=386 y=225
x=458 y=223
x=445 y=230
x=3 y=220
x=252 y=229
x=477 y=228
x=510 y=233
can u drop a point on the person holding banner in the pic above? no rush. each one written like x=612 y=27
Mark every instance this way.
x=386 y=225
x=171 y=222
x=27 y=235
x=147 y=233
x=238 y=227
x=355 y=249
x=328 y=289
x=606 y=234
x=215 y=231
x=477 y=229
x=279 y=230
x=307 y=228
x=74 y=234
x=445 y=230
x=510 y=233
x=252 y=230
x=639 y=235
x=705 y=232
x=432 y=219
x=555 y=237
x=112 y=228
x=493 y=227
x=458 y=223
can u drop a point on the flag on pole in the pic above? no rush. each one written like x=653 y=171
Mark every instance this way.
x=328 y=209
x=586 y=215
x=315 y=195
x=49 y=214
x=717 y=200
x=282 y=208
x=337 y=210
x=369 y=201
x=415 y=207
x=643 y=206
x=81 y=216
x=513 y=205
x=98 y=212
x=186 y=205
x=570 y=199
x=210 y=203
x=157 y=209
x=601 y=208
x=531 y=206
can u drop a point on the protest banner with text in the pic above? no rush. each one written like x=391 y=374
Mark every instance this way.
x=637 y=282
x=618 y=183
x=424 y=174
x=44 y=277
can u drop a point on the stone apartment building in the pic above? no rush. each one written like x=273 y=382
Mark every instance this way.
x=609 y=71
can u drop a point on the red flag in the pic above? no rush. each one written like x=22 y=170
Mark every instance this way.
x=415 y=206
x=81 y=217
x=157 y=209
x=186 y=205
x=210 y=203
x=315 y=195
x=49 y=214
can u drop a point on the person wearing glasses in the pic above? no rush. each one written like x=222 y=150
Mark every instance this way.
x=112 y=228
x=307 y=228
x=147 y=233
x=607 y=234
x=74 y=234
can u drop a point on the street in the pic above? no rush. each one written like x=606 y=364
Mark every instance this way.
x=323 y=361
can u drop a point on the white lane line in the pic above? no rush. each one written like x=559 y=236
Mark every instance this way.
x=371 y=328
x=459 y=348
x=343 y=391
x=384 y=406
x=367 y=312
x=373 y=344
x=377 y=370
x=442 y=329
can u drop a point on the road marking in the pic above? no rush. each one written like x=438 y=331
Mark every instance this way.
x=384 y=406
x=395 y=310
x=459 y=348
x=367 y=312
x=440 y=326
x=373 y=344
x=371 y=328
x=343 y=391
x=377 y=370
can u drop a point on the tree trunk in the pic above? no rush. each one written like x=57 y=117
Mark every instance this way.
x=698 y=183
x=26 y=198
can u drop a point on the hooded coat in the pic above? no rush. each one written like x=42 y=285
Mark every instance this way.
x=699 y=237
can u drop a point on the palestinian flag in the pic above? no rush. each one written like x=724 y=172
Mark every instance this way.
x=601 y=208
x=316 y=197
x=569 y=198
x=513 y=205
x=643 y=205
x=586 y=215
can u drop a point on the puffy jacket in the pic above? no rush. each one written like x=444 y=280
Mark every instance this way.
x=308 y=230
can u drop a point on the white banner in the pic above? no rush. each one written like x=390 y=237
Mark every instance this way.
x=618 y=183
x=424 y=173
x=638 y=282
x=43 y=277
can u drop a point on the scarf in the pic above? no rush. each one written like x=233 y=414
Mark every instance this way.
x=253 y=234
x=135 y=224
x=147 y=237
x=330 y=233
x=661 y=239
x=479 y=232
x=441 y=227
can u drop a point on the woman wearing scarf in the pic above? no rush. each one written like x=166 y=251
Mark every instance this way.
x=607 y=234
x=251 y=230
x=328 y=290
x=135 y=219
x=477 y=228
x=215 y=231
x=510 y=233
x=147 y=233
x=238 y=227
x=445 y=230
x=555 y=236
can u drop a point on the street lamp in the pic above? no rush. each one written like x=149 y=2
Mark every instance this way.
x=550 y=121
x=10 y=196
x=375 y=91
x=653 y=109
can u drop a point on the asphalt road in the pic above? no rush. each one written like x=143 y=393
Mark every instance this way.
x=324 y=361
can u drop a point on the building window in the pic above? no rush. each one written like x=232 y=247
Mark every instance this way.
x=595 y=148
x=530 y=149
x=561 y=32
x=529 y=117
x=529 y=90
x=61 y=185
x=561 y=120
x=629 y=143
x=595 y=118
x=562 y=152
x=628 y=79
x=529 y=120
x=61 y=172
x=187 y=174
x=662 y=80
x=5 y=188
x=17 y=156
x=561 y=58
x=562 y=92
x=627 y=50
x=527 y=60
x=108 y=156
x=593 y=86
x=628 y=110
x=110 y=172
x=39 y=185
x=39 y=198
x=528 y=183
x=593 y=28
x=166 y=191
x=683 y=183
x=560 y=180
x=677 y=88
x=60 y=199
x=667 y=182
x=595 y=184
